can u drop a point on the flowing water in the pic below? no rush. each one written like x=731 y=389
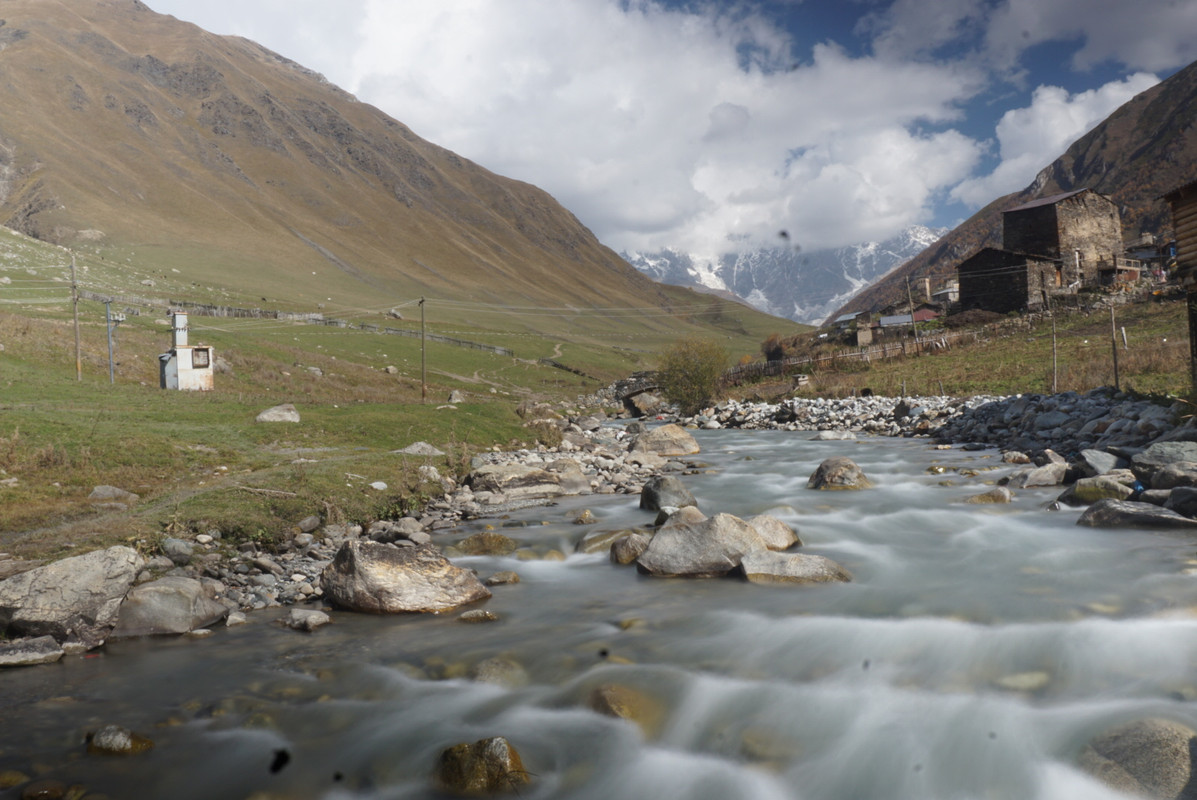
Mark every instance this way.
x=976 y=651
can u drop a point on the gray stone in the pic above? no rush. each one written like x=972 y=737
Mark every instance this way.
x=1050 y=474
x=766 y=567
x=170 y=605
x=281 y=413
x=627 y=549
x=776 y=534
x=1159 y=455
x=420 y=449
x=995 y=496
x=309 y=524
x=1098 y=462
x=1178 y=473
x=28 y=652
x=667 y=440
x=457 y=396
x=500 y=671
x=306 y=620
x=1100 y=487
x=522 y=482
x=665 y=491
x=1151 y=757
x=75 y=599
x=708 y=548
x=838 y=472
x=1128 y=514
x=178 y=551
x=112 y=494
x=1183 y=500
x=833 y=436
x=379 y=578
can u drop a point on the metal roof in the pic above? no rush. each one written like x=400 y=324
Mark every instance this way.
x=1051 y=200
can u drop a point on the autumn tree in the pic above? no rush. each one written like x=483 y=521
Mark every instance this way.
x=690 y=371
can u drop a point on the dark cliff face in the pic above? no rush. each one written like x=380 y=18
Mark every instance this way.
x=133 y=129
x=1143 y=150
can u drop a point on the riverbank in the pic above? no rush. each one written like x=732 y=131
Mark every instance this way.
x=1057 y=440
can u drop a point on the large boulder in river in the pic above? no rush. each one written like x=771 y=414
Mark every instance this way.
x=75 y=599
x=1159 y=455
x=665 y=491
x=522 y=482
x=383 y=579
x=667 y=440
x=777 y=535
x=765 y=566
x=1178 y=473
x=1130 y=514
x=170 y=605
x=1147 y=758
x=838 y=472
x=704 y=549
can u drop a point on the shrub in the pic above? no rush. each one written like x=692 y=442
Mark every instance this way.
x=690 y=372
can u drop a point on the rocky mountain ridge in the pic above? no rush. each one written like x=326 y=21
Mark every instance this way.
x=804 y=286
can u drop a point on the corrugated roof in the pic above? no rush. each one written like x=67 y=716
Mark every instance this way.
x=1045 y=201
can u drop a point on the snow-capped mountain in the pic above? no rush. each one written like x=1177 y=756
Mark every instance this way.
x=788 y=282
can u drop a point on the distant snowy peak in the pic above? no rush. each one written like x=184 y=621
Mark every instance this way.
x=804 y=286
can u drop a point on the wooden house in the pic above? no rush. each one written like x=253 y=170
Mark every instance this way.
x=1183 y=201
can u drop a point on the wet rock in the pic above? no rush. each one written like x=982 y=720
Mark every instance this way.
x=838 y=472
x=1049 y=474
x=598 y=541
x=665 y=491
x=1159 y=455
x=502 y=578
x=768 y=567
x=488 y=766
x=1182 y=500
x=170 y=605
x=995 y=496
x=28 y=652
x=477 y=615
x=1178 y=473
x=627 y=549
x=487 y=543
x=379 y=578
x=1151 y=757
x=667 y=440
x=74 y=599
x=624 y=702
x=833 y=436
x=704 y=549
x=12 y=777
x=1089 y=490
x=584 y=517
x=499 y=671
x=1129 y=514
x=776 y=534
x=306 y=620
x=280 y=413
x=114 y=740
x=45 y=789
x=687 y=515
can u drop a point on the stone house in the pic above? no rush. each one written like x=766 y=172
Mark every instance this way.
x=1051 y=246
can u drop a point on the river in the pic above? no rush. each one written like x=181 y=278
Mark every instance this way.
x=977 y=649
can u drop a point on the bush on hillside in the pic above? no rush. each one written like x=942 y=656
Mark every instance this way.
x=690 y=372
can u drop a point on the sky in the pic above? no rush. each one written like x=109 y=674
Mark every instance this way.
x=710 y=126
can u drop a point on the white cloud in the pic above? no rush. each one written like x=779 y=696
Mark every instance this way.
x=645 y=123
x=1151 y=35
x=1031 y=138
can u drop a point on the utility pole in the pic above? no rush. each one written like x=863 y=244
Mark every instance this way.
x=111 y=323
x=75 y=313
x=1114 y=345
x=423 y=357
x=913 y=330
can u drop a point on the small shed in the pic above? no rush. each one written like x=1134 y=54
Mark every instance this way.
x=187 y=367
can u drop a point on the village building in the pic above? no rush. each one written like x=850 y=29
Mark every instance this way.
x=1051 y=246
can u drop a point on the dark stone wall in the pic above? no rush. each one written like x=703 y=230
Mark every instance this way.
x=994 y=280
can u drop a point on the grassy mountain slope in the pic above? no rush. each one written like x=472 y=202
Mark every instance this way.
x=1143 y=150
x=220 y=170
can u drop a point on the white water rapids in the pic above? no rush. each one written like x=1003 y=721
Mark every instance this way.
x=976 y=651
